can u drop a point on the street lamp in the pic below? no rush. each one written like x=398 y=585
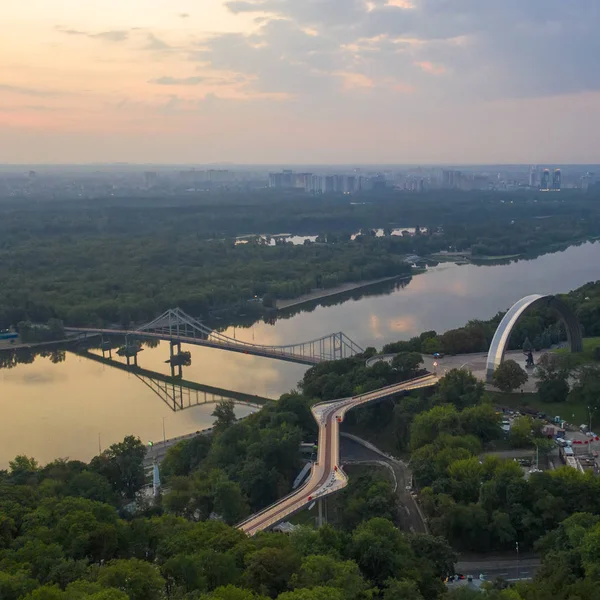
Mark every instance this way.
x=518 y=565
x=590 y=412
x=164 y=434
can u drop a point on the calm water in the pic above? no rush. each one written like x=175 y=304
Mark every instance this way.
x=52 y=410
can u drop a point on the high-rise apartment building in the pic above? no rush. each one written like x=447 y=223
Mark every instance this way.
x=545 y=182
x=556 y=180
x=532 y=176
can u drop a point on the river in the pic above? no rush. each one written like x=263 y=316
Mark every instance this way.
x=67 y=409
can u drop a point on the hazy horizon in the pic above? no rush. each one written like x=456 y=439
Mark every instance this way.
x=290 y=82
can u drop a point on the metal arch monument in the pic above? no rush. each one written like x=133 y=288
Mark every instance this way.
x=502 y=335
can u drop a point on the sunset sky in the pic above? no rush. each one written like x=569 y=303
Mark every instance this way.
x=300 y=81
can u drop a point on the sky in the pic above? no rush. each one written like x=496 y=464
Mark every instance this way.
x=300 y=81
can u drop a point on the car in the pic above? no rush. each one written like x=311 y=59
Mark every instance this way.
x=438 y=355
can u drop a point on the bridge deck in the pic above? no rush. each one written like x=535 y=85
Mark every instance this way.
x=241 y=347
x=326 y=476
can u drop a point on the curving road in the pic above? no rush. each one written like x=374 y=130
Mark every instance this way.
x=326 y=476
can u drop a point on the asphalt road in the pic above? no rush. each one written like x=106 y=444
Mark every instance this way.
x=510 y=569
x=355 y=451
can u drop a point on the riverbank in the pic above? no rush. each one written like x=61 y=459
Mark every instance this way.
x=35 y=345
x=339 y=289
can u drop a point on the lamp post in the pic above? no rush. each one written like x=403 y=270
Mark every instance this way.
x=518 y=565
x=590 y=412
x=164 y=434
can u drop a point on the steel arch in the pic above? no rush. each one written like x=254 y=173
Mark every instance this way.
x=502 y=335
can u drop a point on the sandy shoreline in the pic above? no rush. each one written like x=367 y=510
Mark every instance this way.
x=339 y=289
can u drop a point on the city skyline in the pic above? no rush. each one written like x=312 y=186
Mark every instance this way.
x=281 y=82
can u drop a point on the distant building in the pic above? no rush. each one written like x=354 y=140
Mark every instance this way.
x=219 y=176
x=150 y=179
x=532 y=176
x=329 y=184
x=316 y=184
x=545 y=182
x=556 y=180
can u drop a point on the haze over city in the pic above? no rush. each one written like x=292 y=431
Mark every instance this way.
x=289 y=81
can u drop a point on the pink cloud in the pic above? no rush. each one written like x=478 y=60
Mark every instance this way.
x=431 y=68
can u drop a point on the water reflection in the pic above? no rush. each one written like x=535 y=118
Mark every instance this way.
x=59 y=403
x=446 y=296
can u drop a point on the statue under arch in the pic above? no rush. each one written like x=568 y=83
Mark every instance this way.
x=502 y=335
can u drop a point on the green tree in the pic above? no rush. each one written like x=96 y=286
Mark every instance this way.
x=460 y=388
x=553 y=371
x=123 y=466
x=482 y=422
x=269 y=570
x=586 y=390
x=317 y=593
x=381 y=551
x=138 y=579
x=552 y=390
x=509 y=376
x=224 y=414
x=16 y=585
x=182 y=458
x=229 y=501
x=407 y=364
x=466 y=475
x=22 y=468
x=428 y=425
x=436 y=551
x=520 y=432
x=405 y=589
x=230 y=592
x=431 y=345
x=323 y=571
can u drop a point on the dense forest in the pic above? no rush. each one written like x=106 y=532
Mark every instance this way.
x=76 y=531
x=119 y=260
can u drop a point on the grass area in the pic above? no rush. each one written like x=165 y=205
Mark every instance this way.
x=572 y=413
x=587 y=356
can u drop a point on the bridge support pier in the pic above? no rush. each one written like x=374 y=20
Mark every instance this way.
x=175 y=350
x=320 y=519
x=106 y=348
x=135 y=362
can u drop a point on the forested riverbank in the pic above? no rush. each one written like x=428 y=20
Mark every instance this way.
x=121 y=260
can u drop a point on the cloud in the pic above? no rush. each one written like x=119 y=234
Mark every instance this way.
x=429 y=67
x=30 y=108
x=116 y=35
x=493 y=49
x=156 y=44
x=179 y=80
x=112 y=36
x=26 y=91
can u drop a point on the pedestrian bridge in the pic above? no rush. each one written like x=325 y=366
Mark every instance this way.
x=174 y=325
x=326 y=476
